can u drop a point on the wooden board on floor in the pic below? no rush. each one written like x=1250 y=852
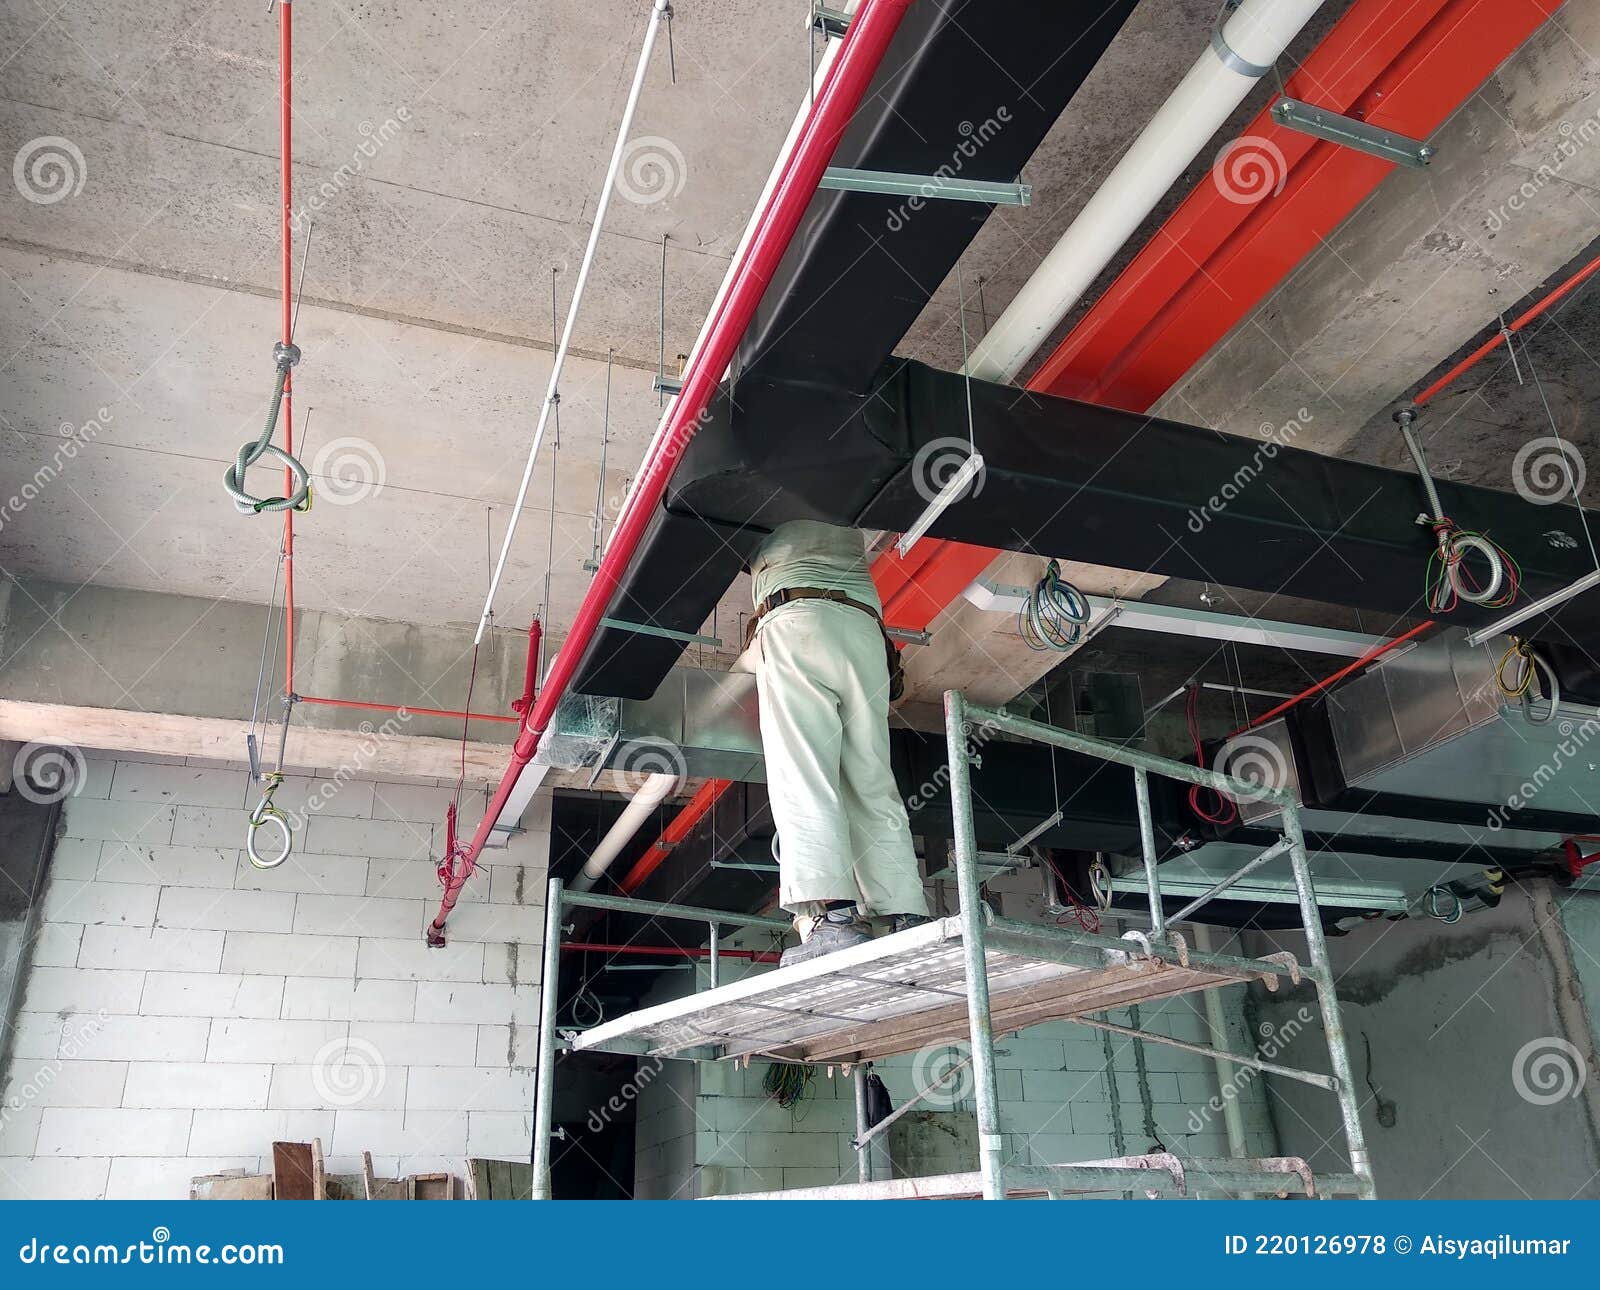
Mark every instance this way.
x=432 y=1186
x=501 y=1179
x=231 y=1186
x=293 y=1171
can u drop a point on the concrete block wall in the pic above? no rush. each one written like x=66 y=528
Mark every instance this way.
x=183 y=1010
x=1472 y=1048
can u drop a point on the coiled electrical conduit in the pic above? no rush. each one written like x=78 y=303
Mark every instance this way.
x=285 y=356
x=1054 y=614
x=1452 y=581
x=1522 y=688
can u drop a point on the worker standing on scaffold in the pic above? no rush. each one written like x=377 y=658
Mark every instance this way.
x=823 y=672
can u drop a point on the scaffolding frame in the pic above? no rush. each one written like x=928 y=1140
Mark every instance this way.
x=1046 y=973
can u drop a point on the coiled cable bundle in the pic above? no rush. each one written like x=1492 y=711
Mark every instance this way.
x=1450 y=580
x=786 y=1082
x=1521 y=686
x=1054 y=614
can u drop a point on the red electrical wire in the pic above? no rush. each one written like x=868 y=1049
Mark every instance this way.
x=1226 y=812
x=286 y=193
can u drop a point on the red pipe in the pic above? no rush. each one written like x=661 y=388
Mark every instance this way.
x=404 y=707
x=530 y=675
x=1489 y=346
x=693 y=812
x=672 y=951
x=286 y=191
x=835 y=104
x=1343 y=672
x=1403 y=66
x=1538 y=308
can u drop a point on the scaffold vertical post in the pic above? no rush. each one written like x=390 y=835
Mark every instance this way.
x=1328 y=1001
x=863 y=1148
x=545 y=1076
x=1147 y=843
x=990 y=1143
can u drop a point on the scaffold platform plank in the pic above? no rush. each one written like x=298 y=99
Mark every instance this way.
x=907 y=991
x=1150 y=1175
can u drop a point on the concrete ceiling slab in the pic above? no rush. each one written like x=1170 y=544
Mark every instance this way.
x=449 y=160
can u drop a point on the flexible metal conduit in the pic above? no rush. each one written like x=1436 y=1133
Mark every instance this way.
x=847 y=82
x=1241 y=52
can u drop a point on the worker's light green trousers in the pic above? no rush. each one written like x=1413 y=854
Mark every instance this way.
x=842 y=829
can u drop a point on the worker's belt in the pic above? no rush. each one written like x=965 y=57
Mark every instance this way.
x=787 y=595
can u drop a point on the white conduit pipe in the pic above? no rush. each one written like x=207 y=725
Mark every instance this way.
x=1239 y=55
x=1217 y=1023
x=552 y=395
x=651 y=794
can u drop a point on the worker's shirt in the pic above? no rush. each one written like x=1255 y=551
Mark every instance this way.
x=805 y=553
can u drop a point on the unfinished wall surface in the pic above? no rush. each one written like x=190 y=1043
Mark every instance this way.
x=1067 y=1093
x=183 y=1010
x=1472 y=1055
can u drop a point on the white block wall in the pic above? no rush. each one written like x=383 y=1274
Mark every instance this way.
x=1066 y=1094
x=184 y=1010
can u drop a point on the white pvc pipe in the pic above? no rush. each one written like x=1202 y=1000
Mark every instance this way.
x=1256 y=34
x=651 y=794
x=1217 y=1023
x=658 y=13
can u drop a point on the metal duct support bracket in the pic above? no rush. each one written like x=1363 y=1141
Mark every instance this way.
x=1386 y=145
x=894 y=184
x=832 y=23
x=666 y=633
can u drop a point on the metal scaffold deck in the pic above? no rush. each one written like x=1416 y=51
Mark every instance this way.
x=907 y=991
x=971 y=977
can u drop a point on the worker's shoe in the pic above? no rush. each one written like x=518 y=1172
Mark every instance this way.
x=836 y=929
x=900 y=922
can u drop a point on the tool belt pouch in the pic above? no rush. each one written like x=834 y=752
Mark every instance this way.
x=897 y=670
